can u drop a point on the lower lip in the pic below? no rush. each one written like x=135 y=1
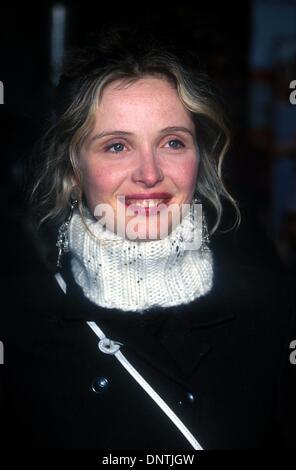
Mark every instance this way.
x=148 y=210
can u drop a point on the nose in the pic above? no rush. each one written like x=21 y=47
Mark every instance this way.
x=148 y=170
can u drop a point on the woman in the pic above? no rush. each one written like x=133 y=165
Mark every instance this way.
x=141 y=340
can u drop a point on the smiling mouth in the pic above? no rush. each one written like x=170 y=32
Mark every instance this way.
x=147 y=206
x=147 y=203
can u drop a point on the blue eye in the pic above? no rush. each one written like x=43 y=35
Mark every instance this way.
x=117 y=147
x=176 y=144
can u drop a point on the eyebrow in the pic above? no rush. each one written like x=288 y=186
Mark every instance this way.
x=125 y=133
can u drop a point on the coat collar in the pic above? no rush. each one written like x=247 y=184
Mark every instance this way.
x=186 y=337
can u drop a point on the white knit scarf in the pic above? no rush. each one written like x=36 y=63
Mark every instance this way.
x=115 y=272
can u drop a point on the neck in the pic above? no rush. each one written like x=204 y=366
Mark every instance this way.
x=115 y=272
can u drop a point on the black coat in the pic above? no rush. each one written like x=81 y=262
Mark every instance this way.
x=221 y=363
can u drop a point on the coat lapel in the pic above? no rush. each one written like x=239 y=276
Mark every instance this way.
x=185 y=339
x=200 y=331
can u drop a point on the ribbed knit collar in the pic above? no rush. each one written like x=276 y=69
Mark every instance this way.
x=134 y=276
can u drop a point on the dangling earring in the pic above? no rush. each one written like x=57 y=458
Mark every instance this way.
x=63 y=240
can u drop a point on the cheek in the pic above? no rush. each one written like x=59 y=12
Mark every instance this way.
x=186 y=174
x=100 y=182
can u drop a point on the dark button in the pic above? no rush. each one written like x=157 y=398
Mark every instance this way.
x=100 y=385
x=189 y=398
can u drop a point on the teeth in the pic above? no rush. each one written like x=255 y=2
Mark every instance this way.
x=146 y=202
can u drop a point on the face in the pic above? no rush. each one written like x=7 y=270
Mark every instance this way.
x=141 y=159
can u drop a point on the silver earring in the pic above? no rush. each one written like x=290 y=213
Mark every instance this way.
x=63 y=240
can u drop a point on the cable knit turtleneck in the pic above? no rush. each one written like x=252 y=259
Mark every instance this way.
x=115 y=272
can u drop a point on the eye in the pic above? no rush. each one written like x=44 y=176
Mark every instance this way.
x=115 y=148
x=175 y=144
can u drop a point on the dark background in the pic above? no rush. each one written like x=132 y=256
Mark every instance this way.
x=221 y=35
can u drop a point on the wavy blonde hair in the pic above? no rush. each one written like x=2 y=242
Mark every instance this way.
x=77 y=101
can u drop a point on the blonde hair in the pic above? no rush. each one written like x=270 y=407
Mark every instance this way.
x=74 y=121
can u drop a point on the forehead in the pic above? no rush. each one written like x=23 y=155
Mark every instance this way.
x=145 y=97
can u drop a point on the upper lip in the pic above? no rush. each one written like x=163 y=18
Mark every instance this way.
x=148 y=196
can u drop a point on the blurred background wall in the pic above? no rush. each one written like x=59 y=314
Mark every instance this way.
x=248 y=48
x=272 y=121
